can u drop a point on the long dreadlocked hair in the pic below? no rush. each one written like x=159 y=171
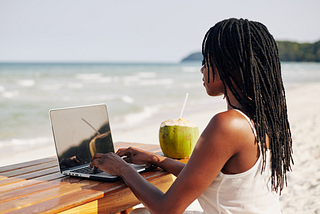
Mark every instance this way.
x=247 y=60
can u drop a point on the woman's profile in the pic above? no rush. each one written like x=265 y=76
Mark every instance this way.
x=240 y=161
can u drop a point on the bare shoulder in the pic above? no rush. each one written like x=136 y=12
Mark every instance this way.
x=231 y=133
x=231 y=127
x=229 y=121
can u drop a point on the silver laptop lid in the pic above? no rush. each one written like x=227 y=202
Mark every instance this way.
x=79 y=133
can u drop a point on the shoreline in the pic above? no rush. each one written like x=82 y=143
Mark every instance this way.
x=145 y=132
x=302 y=193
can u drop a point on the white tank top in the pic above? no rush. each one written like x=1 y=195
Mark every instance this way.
x=247 y=192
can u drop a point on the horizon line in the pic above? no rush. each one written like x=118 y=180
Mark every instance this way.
x=90 y=62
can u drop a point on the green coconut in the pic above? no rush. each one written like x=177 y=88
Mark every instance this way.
x=178 y=138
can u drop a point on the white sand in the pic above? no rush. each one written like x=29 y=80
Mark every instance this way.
x=303 y=192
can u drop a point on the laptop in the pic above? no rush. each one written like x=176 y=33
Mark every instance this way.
x=79 y=133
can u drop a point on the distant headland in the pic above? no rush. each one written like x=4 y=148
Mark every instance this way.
x=288 y=51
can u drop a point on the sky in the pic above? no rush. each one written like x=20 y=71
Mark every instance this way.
x=137 y=31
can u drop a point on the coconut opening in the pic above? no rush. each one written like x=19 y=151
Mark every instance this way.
x=179 y=122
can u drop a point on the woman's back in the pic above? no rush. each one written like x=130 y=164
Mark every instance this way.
x=245 y=192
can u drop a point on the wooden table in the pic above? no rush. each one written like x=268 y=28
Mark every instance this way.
x=39 y=187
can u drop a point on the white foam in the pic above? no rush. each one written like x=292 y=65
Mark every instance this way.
x=105 y=97
x=129 y=79
x=20 y=142
x=93 y=76
x=192 y=85
x=141 y=77
x=2 y=88
x=51 y=87
x=75 y=85
x=156 y=82
x=146 y=113
x=21 y=150
x=147 y=74
x=127 y=99
x=27 y=82
x=104 y=79
x=10 y=94
x=190 y=69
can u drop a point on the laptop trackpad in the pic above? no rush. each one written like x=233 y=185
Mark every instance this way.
x=137 y=167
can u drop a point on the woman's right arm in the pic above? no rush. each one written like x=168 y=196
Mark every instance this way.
x=214 y=148
x=137 y=156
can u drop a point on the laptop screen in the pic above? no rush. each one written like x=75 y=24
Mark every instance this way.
x=79 y=133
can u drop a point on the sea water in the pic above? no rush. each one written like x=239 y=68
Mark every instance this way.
x=135 y=94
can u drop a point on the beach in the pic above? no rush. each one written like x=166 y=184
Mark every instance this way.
x=303 y=191
x=141 y=96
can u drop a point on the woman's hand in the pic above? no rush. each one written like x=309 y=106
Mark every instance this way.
x=109 y=162
x=137 y=156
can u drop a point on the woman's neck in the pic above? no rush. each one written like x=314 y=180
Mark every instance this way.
x=234 y=102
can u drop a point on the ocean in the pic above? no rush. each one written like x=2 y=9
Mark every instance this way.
x=136 y=94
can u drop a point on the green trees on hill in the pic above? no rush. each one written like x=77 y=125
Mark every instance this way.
x=300 y=52
x=288 y=51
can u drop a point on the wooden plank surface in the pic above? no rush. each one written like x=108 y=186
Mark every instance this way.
x=38 y=187
x=26 y=164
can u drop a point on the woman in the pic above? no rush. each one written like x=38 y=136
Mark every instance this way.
x=240 y=161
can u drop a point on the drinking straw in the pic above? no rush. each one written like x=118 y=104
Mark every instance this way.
x=184 y=104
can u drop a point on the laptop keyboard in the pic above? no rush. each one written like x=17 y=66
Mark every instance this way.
x=87 y=170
